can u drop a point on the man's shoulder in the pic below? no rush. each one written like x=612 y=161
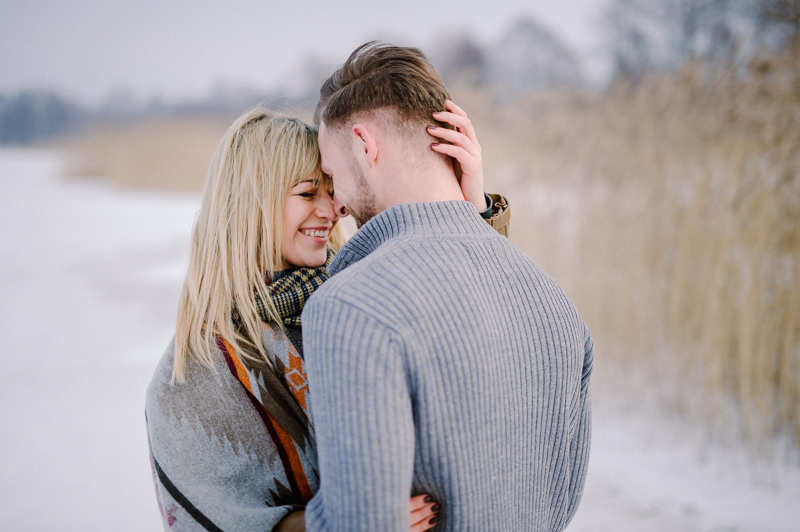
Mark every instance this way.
x=430 y=263
x=355 y=277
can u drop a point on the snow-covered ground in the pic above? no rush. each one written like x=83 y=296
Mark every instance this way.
x=90 y=277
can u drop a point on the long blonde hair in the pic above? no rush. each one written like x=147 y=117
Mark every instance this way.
x=236 y=238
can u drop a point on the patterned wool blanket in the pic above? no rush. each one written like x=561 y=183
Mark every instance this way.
x=232 y=449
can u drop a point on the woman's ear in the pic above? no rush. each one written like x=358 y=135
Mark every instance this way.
x=367 y=146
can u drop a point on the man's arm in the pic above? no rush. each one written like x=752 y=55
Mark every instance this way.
x=362 y=416
x=581 y=438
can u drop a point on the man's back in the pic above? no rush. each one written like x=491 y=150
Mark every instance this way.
x=441 y=360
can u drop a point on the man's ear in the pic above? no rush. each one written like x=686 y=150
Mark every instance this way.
x=366 y=144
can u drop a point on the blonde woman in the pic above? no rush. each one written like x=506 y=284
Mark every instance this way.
x=232 y=445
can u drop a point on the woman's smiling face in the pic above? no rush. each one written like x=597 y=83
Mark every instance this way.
x=308 y=218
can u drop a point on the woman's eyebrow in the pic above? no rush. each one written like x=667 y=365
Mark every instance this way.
x=311 y=184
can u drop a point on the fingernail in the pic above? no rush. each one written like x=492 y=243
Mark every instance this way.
x=434 y=520
x=431 y=127
x=435 y=507
x=434 y=143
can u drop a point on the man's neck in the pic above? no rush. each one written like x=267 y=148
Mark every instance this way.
x=428 y=185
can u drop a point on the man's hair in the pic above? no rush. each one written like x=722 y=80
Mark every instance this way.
x=381 y=76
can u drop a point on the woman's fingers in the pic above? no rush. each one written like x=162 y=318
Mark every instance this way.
x=456 y=152
x=420 y=501
x=424 y=518
x=461 y=124
x=470 y=162
x=456 y=117
x=425 y=525
x=458 y=139
x=423 y=513
x=453 y=108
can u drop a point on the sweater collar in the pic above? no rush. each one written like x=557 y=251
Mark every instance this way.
x=410 y=219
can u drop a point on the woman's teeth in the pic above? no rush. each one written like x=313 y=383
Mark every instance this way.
x=322 y=234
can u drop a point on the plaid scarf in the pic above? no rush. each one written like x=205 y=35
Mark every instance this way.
x=290 y=292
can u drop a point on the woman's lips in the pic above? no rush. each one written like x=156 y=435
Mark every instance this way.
x=318 y=234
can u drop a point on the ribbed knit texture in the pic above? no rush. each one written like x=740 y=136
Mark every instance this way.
x=442 y=360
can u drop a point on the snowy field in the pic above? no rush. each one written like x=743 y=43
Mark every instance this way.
x=90 y=279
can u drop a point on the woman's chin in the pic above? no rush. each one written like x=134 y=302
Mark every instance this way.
x=315 y=261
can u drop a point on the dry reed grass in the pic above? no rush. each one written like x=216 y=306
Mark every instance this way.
x=165 y=153
x=670 y=213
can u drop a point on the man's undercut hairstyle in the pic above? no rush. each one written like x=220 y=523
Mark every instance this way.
x=381 y=76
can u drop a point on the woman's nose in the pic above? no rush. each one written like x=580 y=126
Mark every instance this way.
x=326 y=209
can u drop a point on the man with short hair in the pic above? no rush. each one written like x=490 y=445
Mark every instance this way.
x=440 y=359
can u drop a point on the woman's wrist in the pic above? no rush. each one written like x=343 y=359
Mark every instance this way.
x=293 y=522
x=481 y=201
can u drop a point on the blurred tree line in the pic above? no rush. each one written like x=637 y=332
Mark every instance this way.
x=640 y=36
x=33 y=115
x=30 y=115
x=648 y=35
x=526 y=57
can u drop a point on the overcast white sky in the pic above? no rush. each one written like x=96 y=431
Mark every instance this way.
x=177 y=48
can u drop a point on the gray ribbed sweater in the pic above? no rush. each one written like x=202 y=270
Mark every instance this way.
x=442 y=360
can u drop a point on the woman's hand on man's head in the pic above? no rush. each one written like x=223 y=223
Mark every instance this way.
x=465 y=151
